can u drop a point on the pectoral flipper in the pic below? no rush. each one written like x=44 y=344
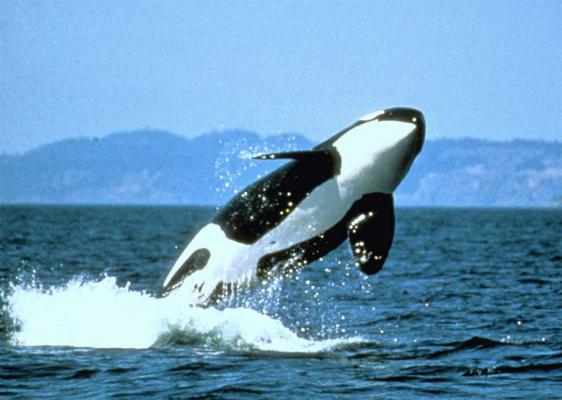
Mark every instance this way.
x=370 y=230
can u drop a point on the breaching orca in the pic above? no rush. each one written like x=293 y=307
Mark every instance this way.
x=340 y=189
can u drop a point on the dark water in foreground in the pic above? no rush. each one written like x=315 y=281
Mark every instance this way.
x=469 y=305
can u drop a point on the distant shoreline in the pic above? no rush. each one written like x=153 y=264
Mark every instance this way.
x=159 y=168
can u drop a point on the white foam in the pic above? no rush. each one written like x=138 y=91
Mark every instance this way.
x=104 y=315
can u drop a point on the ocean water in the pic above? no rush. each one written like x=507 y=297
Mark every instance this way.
x=468 y=305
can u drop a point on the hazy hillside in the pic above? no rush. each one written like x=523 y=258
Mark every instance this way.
x=155 y=167
x=149 y=167
x=472 y=172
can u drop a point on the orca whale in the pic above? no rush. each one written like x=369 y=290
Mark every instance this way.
x=342 y=188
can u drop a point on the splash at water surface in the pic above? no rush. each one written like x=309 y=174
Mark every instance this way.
x=103 y=315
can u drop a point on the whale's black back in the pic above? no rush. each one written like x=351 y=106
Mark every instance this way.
x=264 y=204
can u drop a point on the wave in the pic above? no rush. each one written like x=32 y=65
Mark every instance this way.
x=477 y=342
x=508 y=369
x=103 y=315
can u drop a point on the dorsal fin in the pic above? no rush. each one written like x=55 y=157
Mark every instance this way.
x=293 y=155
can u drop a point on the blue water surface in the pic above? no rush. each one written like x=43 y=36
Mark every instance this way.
x=468 y=305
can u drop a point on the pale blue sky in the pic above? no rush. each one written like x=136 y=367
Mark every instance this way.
x=88 y=68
